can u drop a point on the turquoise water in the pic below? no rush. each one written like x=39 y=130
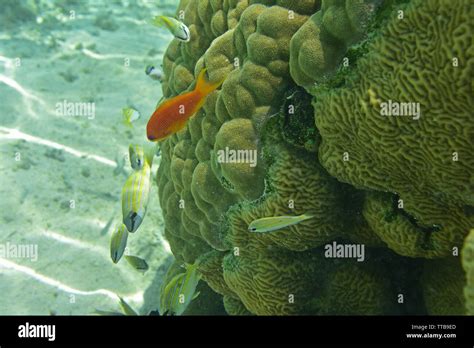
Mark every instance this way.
x=62 y=173
x=330 y=174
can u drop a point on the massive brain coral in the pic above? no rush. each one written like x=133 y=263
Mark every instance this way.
x=426 y=59
x=267 y=51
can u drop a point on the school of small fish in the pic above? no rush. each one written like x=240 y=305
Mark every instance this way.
x=135 y=194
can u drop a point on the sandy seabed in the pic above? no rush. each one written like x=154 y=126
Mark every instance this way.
x=61 y=174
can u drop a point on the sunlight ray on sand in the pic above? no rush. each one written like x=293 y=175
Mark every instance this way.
x=71 y=48
x=27 y=96
x=10 y=133
x=6 y=264
x=75 y=242
x=7 y=63
x=19 y=88
x=98 y=56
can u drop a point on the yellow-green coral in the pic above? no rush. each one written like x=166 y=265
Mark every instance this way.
x=210 y=267
x=321 y=198
x=353 y=288
x=401 y=233
x=195 y=190
x=273 y=282
x=235 y=307
x=264 y=49
x=318 y=47
x=443 y=282
x=415 y=158
x=468 y=265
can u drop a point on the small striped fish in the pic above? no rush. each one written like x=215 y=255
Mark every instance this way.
x=137 y=156
x=118 y=243
x=135 y=196
x=137 y=262
x=180 y=291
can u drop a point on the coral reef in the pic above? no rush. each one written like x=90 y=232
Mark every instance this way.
x=314 y=142
x=426 y=160
x=468 y=265
x=321 y=43
x=235 y=307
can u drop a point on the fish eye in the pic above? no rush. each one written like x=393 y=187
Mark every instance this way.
x=252 y=229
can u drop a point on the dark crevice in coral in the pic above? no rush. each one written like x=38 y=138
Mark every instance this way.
x=296 y=120
x=227 y=184
x=468 y=210
x=412 y=219
x=352 y=199
x=405 y=280
x=292 y=124
x=426 y=230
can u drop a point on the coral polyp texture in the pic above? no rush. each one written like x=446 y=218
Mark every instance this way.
x=302 y=104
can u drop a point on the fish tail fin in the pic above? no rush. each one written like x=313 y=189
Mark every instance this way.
x=205 y=87
x=158 y=21
x=126 y=120
x=306 y=216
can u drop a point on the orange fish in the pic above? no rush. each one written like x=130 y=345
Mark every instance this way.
x=173 y=114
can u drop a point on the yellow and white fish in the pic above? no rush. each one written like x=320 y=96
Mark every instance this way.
x=136 y=154
x=130 y=115
x=269 y=224
x=180 y=291
x=118 y=243
x=139 y=154
x=177 y=28
x=154 y=73
x=135 y=196
x=136 y=262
